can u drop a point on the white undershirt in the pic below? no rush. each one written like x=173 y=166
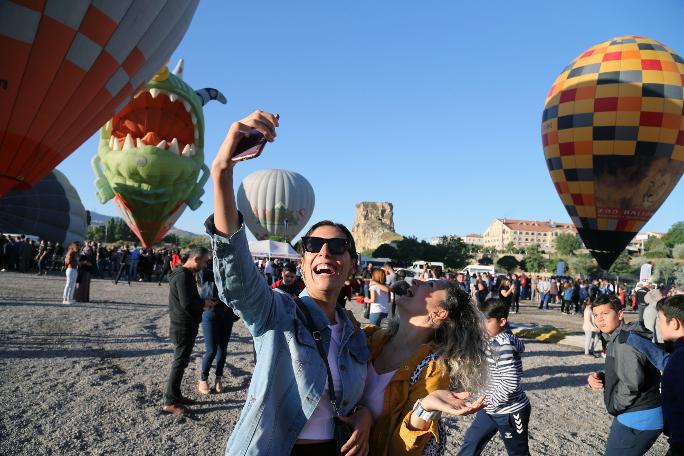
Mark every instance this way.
x=374 y=391
x=320 y=424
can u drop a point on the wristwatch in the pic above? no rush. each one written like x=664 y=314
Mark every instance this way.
x=423 y=414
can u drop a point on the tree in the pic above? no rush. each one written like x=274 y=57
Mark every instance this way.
x=665 y=270
x=510 y=247
x=567 y=244
x=622 y=264
x=678 y=251
x=656 y=248
x=485 y=260
x=582 y=264
x=675 y=235
x=385 y=251
x=275 y=237
x=534 y=260
x=508 y=262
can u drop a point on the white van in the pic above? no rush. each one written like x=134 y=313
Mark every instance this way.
x=478 y=269
x=418 y=265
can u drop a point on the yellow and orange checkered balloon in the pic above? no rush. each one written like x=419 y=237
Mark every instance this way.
x=613 y=136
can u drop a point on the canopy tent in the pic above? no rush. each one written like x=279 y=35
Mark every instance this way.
x=272 y=249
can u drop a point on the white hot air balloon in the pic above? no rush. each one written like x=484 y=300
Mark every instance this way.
x=275 y=202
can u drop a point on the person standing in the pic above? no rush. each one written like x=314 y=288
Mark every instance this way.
x=379 y=298
x=71 y=266
x=630 y=384
x=268 y=271
x=185 y=313
x=85 y=272
x=133 y=264
x=508 y=408
x=591 y=332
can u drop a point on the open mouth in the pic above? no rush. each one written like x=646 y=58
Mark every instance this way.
x=324 y=270
x=156 y=118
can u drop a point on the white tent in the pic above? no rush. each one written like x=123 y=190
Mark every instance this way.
x=272 y=249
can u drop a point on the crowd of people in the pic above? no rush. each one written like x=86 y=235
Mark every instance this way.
x=439 y=346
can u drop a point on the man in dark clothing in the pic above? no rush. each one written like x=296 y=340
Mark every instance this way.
x=640 y=293
x=289 y=283
x=185 y=313
x=630 y=384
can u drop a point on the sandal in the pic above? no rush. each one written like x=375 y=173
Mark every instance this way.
x=203 y=387
x=218 y=386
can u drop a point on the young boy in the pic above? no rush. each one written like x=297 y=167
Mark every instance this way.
x=671 y=325
x=508 y=409
x=630 y=384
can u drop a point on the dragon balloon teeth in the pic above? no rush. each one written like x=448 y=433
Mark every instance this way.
x=158 y=118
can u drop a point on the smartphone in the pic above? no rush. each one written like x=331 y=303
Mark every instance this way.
x=251 y=145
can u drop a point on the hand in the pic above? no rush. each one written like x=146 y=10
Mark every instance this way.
x=452 y=403
x=209 y=303
x=264 y=122
x=595 y=381
x=361 y=421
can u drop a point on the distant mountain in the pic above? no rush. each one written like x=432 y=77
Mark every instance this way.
x=100 y=219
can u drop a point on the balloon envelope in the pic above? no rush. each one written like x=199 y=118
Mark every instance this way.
x=67 y=67
x=275 y=202
x=612 y=131
x=51 y=210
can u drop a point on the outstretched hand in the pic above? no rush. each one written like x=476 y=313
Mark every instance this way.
x=452 y=403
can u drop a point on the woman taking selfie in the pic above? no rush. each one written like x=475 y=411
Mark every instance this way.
x=311 y=361
x=423 y=364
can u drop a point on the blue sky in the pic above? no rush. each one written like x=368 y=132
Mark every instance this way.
x=434 y=106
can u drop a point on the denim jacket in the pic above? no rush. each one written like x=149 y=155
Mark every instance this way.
x=290 y=376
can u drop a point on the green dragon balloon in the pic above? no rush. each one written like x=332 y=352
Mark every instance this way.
x=151 y=153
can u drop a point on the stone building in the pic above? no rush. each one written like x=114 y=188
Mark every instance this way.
x=523 y=233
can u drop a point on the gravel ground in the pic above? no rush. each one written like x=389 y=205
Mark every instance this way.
x=88 y=379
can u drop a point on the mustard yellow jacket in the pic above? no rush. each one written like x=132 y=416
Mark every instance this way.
x=391 y=434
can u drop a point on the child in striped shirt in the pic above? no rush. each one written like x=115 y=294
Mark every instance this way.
x=508 y=409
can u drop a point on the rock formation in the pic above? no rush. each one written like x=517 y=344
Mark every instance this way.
x=374 y=225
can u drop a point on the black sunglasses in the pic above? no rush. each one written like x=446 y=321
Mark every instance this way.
x=337 y=246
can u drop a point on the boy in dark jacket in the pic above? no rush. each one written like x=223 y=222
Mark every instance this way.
x=185 y=313
x=671 y=325
x=630 y=384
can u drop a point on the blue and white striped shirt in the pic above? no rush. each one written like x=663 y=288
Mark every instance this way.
x=503 y=391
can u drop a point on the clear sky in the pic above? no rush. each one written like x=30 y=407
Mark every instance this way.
x=434 y=106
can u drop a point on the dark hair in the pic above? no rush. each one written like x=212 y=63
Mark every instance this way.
x=339 y=226
x=290 y=268
x=672 y=307
x=198 y=251
x=608 y=299
x=494 y=308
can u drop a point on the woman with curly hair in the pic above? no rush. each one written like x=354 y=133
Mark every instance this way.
x=428 y=360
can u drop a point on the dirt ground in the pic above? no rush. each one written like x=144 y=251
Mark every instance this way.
x=88 y=379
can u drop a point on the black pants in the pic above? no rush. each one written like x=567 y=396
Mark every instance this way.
x=183 y=339
x=625 y=441
x=513 y=428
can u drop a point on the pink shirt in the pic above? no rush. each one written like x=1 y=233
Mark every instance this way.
x=374 y=392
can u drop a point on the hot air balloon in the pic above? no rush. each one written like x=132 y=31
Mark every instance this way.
x=613 y=136
x=152 y=152
x=51 y=210
x=67 y=67
x=275 y=202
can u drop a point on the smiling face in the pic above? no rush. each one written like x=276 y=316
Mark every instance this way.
x=423 y=298
x=606 y=318
x=324 y=271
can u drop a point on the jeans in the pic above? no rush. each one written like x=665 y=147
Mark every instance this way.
x=591 y=338
x=376 y=318
x=183 y=339
x=513 y=428
x=71 y=276
x=544 y=300
x=41 y=265
x=132 y=271
x=626 y=441
x=216 y=327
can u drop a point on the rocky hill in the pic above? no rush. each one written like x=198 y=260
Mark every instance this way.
x=374 y=225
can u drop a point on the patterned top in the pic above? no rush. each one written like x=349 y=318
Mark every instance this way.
x=503 y=392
